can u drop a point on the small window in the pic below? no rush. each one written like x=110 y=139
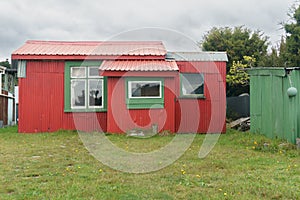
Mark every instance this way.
x=144 y=93
x=144 y=89
x=192 y=84
x=21 y=69
x=78 y=72
x=93 y=72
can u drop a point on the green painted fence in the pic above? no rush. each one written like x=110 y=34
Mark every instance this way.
x=273 y=112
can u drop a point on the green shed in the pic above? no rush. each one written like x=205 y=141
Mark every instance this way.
x=274 y=102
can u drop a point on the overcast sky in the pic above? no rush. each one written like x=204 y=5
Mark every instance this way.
x=99 y=20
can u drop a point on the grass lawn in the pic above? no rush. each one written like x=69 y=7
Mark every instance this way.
x=58 y=166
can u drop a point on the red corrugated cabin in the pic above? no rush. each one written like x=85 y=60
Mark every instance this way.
x=119 y=86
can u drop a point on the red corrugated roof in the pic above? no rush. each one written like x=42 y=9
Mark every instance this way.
x=105 y=48
x=139 y=65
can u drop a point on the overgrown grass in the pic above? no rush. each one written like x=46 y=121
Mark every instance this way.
x=57 y=166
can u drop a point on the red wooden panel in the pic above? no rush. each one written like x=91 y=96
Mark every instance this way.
x=41 y=102
x=4 y=109
x=203 y=115
x=120 y=119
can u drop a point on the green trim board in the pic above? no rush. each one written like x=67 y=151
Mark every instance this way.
x=144 y=102
x=67 y=87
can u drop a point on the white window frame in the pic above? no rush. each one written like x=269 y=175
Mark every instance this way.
x=144 y=97
x=86 y=78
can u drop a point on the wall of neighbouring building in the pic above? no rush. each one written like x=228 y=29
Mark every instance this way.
x=273 y=113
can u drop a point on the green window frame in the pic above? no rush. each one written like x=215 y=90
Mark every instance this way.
x=192 y=85
x=83 y=77
x=150 y=98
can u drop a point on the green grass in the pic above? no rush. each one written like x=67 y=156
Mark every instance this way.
x=58 y=166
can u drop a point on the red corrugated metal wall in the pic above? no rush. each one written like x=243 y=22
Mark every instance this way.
x=41 y=102
x=120 y=119
x=211 y=111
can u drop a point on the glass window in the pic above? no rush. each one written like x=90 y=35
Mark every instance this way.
x=95 y=93
x=144 y=93
x=192 y=84
x=78 y=93
x=86 y=88
x=93 y=71
x=144 y=89
x=78 y=72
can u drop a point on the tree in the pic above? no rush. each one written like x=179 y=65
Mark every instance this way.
x=237 y=74
x=5 y=63
x=237 y=42
x=237 y=78
x=292 y=44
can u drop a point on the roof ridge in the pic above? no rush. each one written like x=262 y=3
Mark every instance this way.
x=196 y=52
x=93 y=42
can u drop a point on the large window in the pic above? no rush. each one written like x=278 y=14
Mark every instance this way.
x=144 y=93
x=84 y=88
x=192 y=85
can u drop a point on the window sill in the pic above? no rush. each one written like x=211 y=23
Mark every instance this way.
x=85 y=110
x=145 y=106
x=192 y=97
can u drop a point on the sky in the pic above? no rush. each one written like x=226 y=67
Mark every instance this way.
x=178 y=23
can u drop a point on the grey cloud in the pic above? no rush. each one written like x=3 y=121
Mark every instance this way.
x=21 y=20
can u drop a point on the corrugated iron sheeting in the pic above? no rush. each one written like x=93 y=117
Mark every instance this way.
x=198 y=56
x=120 y=119
x=273 y=113
x=140 y=65
x=41 y=102
x=117 y=48
x=210 y=111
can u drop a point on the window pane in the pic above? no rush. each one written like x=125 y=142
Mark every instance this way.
x=94 y=71
x=192 y=84
x=95 y=93
x=78 y=72
x=78 y=93
x=145 y=89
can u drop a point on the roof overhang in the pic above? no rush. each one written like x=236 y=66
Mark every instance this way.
x=152 y=68
x=139 y=65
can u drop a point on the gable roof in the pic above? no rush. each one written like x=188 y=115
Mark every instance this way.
x=198 y=56
x=104 y=48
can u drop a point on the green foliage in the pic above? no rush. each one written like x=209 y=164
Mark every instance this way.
x=5 y=64
x=292 y=53
x=237 y=42
x=237 y=74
